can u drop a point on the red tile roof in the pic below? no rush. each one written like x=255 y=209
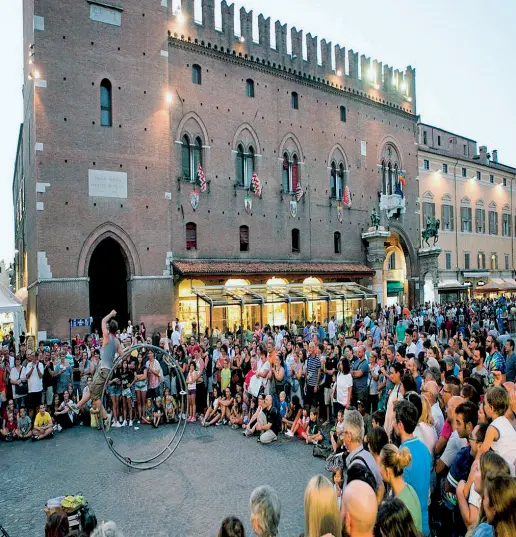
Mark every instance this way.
x=189 y=268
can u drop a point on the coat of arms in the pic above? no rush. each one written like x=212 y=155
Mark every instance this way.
x=340 y=213
x=194 y=199
x=293 y=208
x=248 y=204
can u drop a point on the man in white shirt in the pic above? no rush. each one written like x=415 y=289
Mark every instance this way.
x=411 y=346
x=33 y=372
x=331 y=329
x=129 y=328
x=430 y=390
x=176 y=336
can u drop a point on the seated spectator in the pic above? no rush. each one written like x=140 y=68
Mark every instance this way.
x=322 y=514
x=393 y=462
x=43 y=425
x=313 y=434
x=213 y=413
x=64 y=416
x=293 y=414
x=23 y=425
x=265 y=510
x=9 y=423
x=300 y=426
x=236 y=417
x=268 y=422
x=157 y=412
x=250 y=428
x=231 y=527
x=359 y=509
x=395 y=520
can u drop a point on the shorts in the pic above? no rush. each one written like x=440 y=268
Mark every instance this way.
x=97 y=384
x=115 y=391
x=327 y=396
x=192 y=392
x=127 y=393
x=152 y=393
x=140 y=386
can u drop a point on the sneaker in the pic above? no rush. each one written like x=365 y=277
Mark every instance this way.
x=224 y=422
x=290 y=434
x=234 y=426
x=137 y=422
x=35 y=438
x=219 y=423
x=124 y=423
x=315 y=442
x=59 y=428
x=120 y=419
x=115 y=425
x=130 y=423
x=54 y=428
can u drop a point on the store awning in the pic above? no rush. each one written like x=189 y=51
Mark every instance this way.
x=215 y=267
x=248 y=295
x=395 y=287
x=510 y=284
x=451 y=284
x=494 y=285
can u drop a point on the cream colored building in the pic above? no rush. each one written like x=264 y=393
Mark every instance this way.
x=472 y=195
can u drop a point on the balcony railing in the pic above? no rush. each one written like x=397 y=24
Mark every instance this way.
x=392 y=203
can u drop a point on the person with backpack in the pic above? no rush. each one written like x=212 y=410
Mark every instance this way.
x=358 y=455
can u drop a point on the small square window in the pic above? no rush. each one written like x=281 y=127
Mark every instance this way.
x=479 y=175
x=464 y=172
x=445 y=168
x=426 y=164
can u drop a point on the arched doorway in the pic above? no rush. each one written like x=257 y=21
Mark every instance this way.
x=108 y=275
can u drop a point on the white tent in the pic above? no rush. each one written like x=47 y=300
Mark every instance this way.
x=10 y=304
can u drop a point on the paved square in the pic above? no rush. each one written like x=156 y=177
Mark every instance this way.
x=210 y=476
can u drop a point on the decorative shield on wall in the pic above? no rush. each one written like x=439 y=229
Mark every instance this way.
x=293 y=208
x=194 y=199
x=248 y=204
x=340 y=213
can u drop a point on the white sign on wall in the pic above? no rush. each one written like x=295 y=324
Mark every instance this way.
x=105 y=14
x=107 y=184
x=363 y=148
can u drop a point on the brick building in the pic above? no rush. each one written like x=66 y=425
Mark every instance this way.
x=124 y=100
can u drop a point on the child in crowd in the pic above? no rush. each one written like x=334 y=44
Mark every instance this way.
x=170 y=408
x=293 y=416
x=378 y=418
x=501 y=435
x=313 y=435
x=157 y=412
x=302 y=424
x=23 y=430
x=338 y=482
x=8 y=430
x=225 y=403
x=43 y=426
x=149 y=410
x=237 y=416
x=283 y=410
x=213 y=413
x=337 y=432
x=191 y=382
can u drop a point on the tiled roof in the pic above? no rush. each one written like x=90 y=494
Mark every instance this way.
x=270 y=268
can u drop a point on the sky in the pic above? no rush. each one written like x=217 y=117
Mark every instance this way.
x=464 y=52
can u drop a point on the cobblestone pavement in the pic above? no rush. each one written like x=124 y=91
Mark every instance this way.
x=210 y=476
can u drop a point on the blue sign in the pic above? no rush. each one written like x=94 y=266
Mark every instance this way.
x=74 y=323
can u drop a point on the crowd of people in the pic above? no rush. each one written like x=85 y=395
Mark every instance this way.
x=418 y=407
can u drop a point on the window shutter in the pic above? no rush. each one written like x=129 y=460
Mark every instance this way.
x=294 y=175
x=191 y=237
x=509 y=230
x=240 y=168
x=496 y=222
x=452 y=218
x=185 y=158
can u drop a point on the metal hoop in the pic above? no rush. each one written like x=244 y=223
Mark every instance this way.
x=171 y=446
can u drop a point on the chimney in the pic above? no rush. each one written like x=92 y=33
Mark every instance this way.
x=483 y=155
x=495 y=156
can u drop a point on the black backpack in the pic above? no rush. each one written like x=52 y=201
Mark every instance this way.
x=360 y=471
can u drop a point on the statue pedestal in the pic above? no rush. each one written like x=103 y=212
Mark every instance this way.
x=429 y=274
x=375 y=238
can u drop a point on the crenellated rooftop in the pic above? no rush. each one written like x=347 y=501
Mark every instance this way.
x=348 y=71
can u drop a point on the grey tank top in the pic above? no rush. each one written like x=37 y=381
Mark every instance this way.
x=107 y=353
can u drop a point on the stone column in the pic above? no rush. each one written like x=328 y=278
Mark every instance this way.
x=429 y=264
x=375 y=239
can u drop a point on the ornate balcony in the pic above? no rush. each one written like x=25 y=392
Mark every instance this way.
x=392 y=203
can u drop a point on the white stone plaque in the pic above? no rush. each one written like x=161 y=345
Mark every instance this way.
x=105 y=14
x=107 y=184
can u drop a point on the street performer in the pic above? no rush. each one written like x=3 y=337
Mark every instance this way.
x=110 y=347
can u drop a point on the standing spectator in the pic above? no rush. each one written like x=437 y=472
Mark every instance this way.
x=454 y=443
x=63 y=375
x=329 y=369
x=395 y=520
x=265 y=510
x=359 y=509
x=18 y=383
x=34 y=374
x=418 y=473
x=332 y=329
x=360 y=374
x=153 y=375
x=510 y=361
x=313 y=375
x=344 y=385
x=393 y=462
x=395 y=370
x=321 y=508
x=495 y=360
x=430 y=391
x=374 y=381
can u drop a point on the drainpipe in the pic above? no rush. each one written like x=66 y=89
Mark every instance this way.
x=457 y=218
x=513 y=227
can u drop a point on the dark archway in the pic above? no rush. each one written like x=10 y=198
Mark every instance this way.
x=108 y=282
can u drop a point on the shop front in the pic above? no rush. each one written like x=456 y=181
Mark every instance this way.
x=205 y=304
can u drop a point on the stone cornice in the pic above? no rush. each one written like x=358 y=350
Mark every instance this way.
x=354 y=95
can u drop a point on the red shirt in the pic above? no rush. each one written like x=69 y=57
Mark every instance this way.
x=3 y=386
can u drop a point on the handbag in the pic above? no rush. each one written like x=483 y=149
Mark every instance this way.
x=22 y=389
x=322 y=452
x=254 y=385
